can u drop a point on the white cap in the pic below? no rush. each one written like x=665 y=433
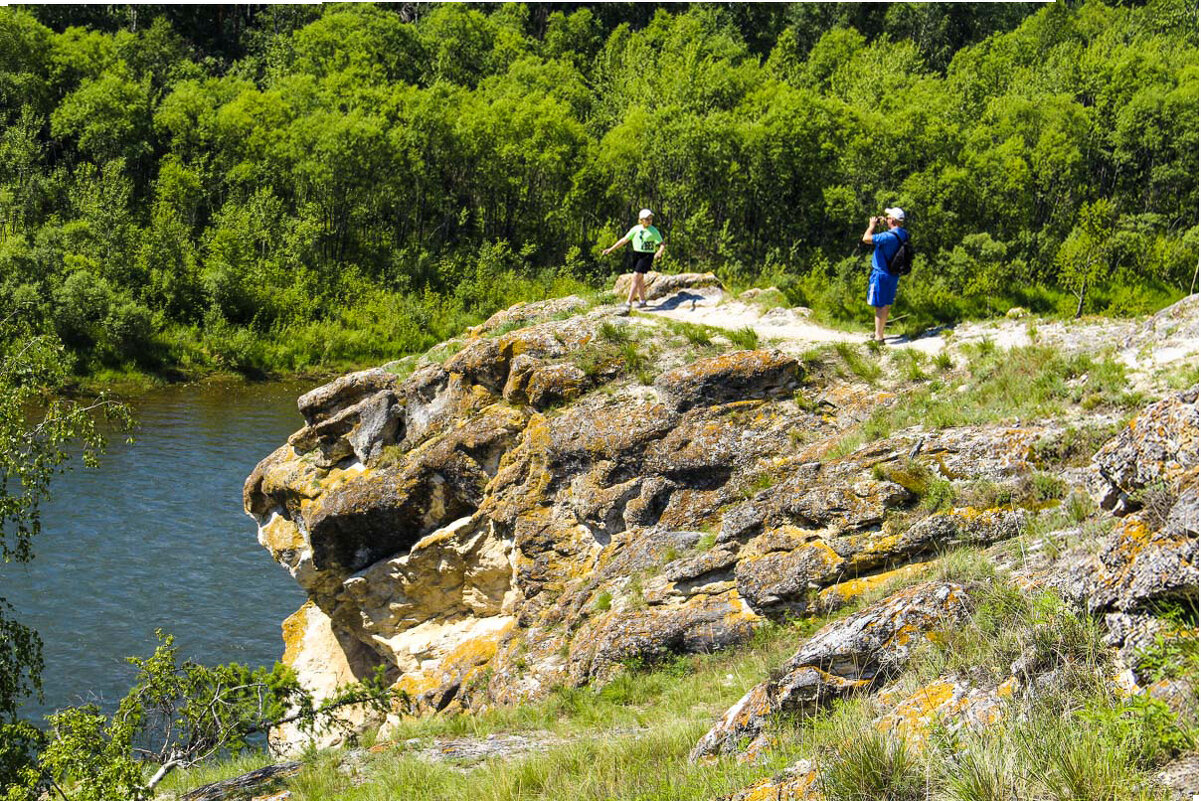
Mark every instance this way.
x=895 y=213
x=645 y=213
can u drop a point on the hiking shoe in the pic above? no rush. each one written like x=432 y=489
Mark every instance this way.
x=642 y=304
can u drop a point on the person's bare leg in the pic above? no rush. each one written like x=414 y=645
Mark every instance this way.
x=881 y=319
x=636 y=288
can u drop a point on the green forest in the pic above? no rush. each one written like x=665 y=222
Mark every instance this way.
x=267 y=189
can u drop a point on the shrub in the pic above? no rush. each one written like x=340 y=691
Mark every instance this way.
x=604 y=601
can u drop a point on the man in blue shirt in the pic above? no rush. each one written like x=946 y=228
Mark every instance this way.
x=882 y=285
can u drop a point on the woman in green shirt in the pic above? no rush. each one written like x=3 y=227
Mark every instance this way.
x=648 y=247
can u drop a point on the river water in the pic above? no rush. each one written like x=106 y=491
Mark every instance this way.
x=155 y=538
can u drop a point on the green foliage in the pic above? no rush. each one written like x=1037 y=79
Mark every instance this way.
x=1043 y=629
x=939 y=496
x=1074 y=447
x=179 y=714
x=859 y=365
x=617 y=334
x=1145 y=727
x=1171 y=655
x=1022 y=383
x=698 y=335
x=301 y=171
x=38 y=428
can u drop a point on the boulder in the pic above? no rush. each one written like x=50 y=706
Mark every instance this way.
x=502 y=521
x=730 y=377
x=855 y=654
x=324 y=402
x=660 y=285
x=1158 y=449
x=520 y=314
x=324 y=659
x=948 y=703
x=1138 y=567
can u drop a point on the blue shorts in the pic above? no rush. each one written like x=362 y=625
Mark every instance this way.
x=881 y=289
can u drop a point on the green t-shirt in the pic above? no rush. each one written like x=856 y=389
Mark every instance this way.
x=645 y=238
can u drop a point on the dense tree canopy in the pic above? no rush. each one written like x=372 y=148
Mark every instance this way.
x=274 y=187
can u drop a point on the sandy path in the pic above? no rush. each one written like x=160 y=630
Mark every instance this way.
x=1166 y=338
x=789 y=330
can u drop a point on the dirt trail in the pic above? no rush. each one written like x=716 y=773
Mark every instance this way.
x=1146 y=344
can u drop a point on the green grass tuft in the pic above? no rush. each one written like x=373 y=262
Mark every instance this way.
x=866 y=369
x=745 y=338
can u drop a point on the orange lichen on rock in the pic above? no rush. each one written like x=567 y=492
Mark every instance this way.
x=838 y=595
x=945 y=702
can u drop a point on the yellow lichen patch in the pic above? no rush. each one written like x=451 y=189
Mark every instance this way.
x=794 y=788
x=944 y=702
x=1135 y=535
x=912 y=716
x=903 y=635
x=839 y=594
x=938 y=637
x=294 y=628
x=338 y=476
x=416 y=684
x=281 y=535
x=472 y=653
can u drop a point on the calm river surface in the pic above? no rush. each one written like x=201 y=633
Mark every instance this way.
x=156 y=538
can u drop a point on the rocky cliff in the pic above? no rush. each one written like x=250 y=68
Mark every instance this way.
x=564 y=492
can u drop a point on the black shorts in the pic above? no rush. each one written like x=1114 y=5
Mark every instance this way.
x=643 y=262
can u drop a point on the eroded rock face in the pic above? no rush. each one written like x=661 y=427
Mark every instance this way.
x=525 y=513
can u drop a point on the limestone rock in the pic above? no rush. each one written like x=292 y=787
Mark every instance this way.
x=1147 y=472
x=845 y=656
x=660 y=285
x=948 y=703
x=361 y=430
x=324 y=659
x=1138 y=567
x=1158 y=447
x=731 y=377
x=1180 y=777
x=702 y=625
x=502 y=522
x=800 y=782
x=525 y=313
x=555 y=384
x=324 y=402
